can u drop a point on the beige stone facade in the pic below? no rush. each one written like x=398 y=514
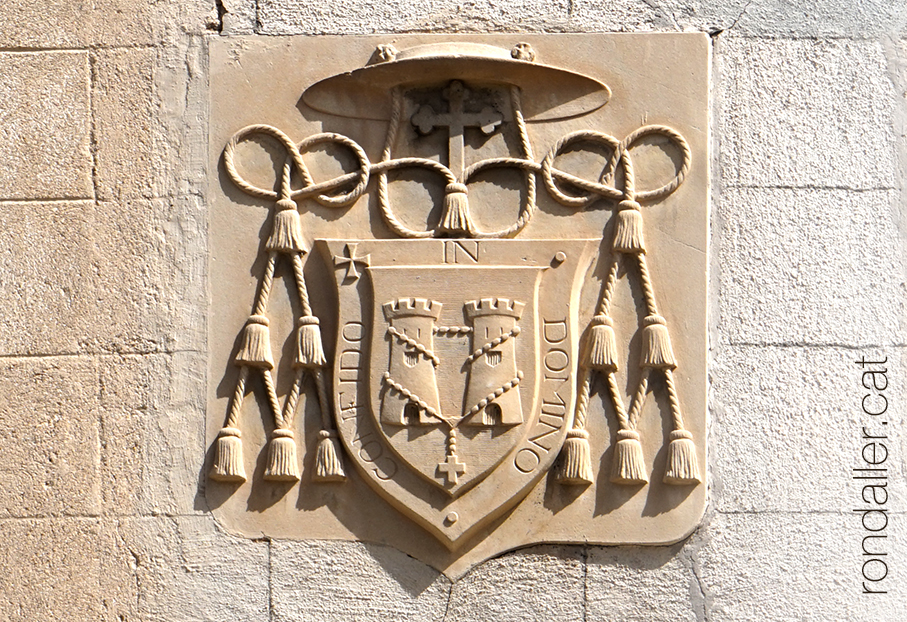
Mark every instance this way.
x=104 y=280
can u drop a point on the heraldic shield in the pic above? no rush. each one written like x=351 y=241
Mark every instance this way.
x=455 y=374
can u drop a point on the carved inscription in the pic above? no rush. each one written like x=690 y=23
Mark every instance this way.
x=461 y=251
x=556 y=377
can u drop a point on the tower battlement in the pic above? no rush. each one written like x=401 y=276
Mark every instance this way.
x=494 y=306
x=412 y=307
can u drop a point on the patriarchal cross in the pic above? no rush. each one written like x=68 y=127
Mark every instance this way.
x=456 y=121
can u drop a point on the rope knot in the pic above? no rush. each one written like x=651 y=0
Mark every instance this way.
x=679 y=434
x=286 y=204
x=602 y=320
x=651 y=320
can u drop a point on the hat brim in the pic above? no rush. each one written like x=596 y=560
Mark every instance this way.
x=548 y=93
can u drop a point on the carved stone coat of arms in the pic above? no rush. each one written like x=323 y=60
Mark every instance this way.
x=458 y=290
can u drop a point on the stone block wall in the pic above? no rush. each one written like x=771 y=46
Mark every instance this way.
x=103 y=125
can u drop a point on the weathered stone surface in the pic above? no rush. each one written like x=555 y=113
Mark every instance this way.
x=325 y=581
x=810 y=267
x=358 y=16
x=185 y=569
x=240 y=17
x=833 y=18
x=179 y=158
x=805 y=113
x=49 y=437
x=781 y=18
x=639 y=584
x=542 y=583
x=830 y=18
x=794 y=419
x=297 y=17
x=150 y=260
x=109 y=277
x=623 y=16
x=123 y=110
x=801 y=566
x=49 y=265
x=151 y=433
x=51 y=571
x=45 y=129
x=67 y=24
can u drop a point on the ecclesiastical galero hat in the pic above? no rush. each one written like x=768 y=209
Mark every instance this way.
x=548 y=92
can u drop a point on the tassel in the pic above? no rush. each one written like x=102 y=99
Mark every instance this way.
x=328 y=467
x=455 y=215
x=602 y=350
x=576 y=459
x=255 y=348
x=656 y=344
x=309 y=350
x=628 y=236
x=282 y=463
x=228 y=462
x=629 y=467
x=682 y=465
x=286 y=234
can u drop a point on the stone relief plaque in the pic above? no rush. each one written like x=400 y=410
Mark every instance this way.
x=458 y=290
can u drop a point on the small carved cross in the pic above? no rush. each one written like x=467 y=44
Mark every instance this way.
x=350 y=261
x=452 y=468
x=456 y=121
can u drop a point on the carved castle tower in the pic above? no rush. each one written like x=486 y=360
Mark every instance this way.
x=411 y=384
x=492 y=391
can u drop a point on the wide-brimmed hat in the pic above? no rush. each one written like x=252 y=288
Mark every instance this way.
x=548 y=92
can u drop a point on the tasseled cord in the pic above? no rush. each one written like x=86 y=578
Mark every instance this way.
x=328 y=467
x=286 y=234
x=629 y=467
x=576 y=459
x=656 y=344
x=575 y=466
x=255 y=344
x=628 y=231
x=455 y=213
x=601 y=355
x=283 y=465
x=228 y=460
x=309 y=348
x=310 y=355
x=601 y=349
x=682 y=467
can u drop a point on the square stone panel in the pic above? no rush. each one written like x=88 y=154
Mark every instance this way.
x=52 y=570
x=457 y=320
x=45 y=126
x=49 y=435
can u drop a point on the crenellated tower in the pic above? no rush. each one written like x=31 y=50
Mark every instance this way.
x=492 y=393
x=411 y=386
